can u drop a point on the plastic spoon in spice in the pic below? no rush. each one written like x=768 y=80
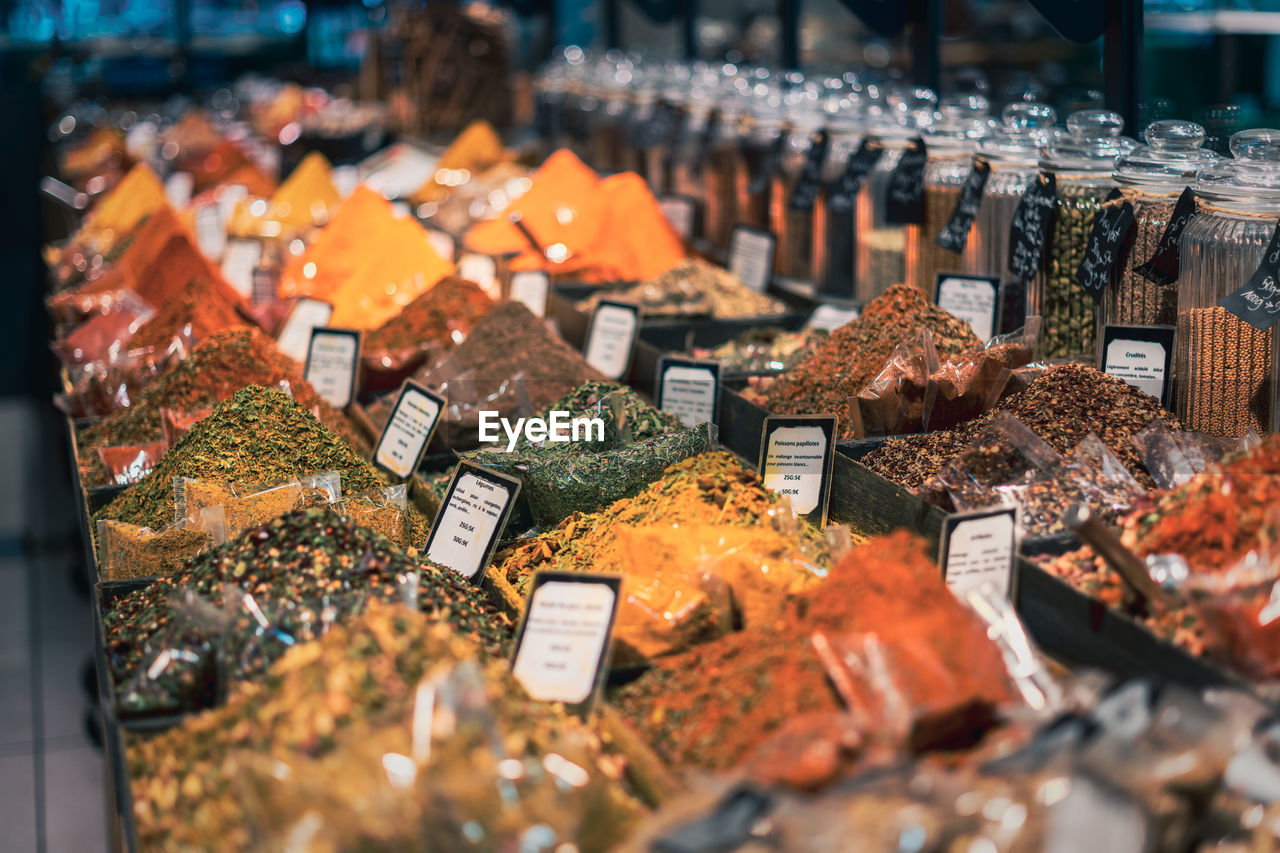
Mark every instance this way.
x=1103 y=540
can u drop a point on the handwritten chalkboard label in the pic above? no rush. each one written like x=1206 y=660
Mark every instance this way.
x=1164 y=266
x=805 y=192
x=955 y=233
x=843 y=190
x=1032 y=223
x=472 y=516
x=1105 y=250
x=1257 y=302
x=796 y=461
x=1142 y=356
x=904 y=201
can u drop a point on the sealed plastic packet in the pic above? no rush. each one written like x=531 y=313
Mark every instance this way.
x=129 y=463
x=385 y=511
x=131 y=551
x=1241 y=606
x=104 y=334
x=1112 y=488
x=174 y=424
x=896 y=400
x=971 y=383
x=181 y=665
x=1173 y=457
x=247 y=506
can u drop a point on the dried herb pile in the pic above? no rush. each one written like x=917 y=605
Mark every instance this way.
x=260 y=435
x=328 y=712
x=713 y=706
x=855 y=353
x=1062 y=406
x=290 y=565
x=693 y=288
x=216 y=368
x=442 y=317
x=1213 y=522
x=638 y=419
x=711 y=488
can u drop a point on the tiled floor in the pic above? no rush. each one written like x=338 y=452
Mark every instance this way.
x=51 y=771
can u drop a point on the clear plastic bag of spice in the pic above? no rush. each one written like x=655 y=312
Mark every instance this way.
x=106 y=333
x=260 y=630
x=385 y=511
x=896 y=400
x=129 y=463
x=248 y=505
x=966 y=383
x=180 y=668
x=132 y=551
x=1174 y=457
x=1241 y=606
x=1114 y=489
x=100 y=387
x=174 y=423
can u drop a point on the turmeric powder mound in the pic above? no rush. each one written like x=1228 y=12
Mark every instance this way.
x=562 y=206
x=100 y=148
x=477 y=149
x=307 y=197
x=139 y=194
x=367 y=262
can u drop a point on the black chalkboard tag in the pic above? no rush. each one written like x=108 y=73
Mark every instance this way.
x=843 y=190
x=1163 y=266
x=1112 y=225
x=1032 y=224
x=805 y=193
x=955 y=233
x=705 y=142
x=904 y=201
x=768 y=165
x=1257 y=302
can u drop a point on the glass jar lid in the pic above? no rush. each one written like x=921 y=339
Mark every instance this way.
x=1174 y=153
x=902 y=116
x=1251 y=178
x=963 y=121
x=1092 y=143
x=1025 y=128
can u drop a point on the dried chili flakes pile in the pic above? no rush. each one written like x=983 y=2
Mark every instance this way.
x=330 y=710
x=710 y=488
x=1213 y=521
x=299 y=558
x=1062 y=406
x=260 y=435
x=855 y=353
x=216 y=368
x=202 y=309
x=715 y=705
x=443 y=317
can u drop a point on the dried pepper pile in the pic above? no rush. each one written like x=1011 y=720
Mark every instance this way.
x=1062 y=407
x=855 y=353
x=441 y=317
x=711 y=488
x=293 y=567
x=215 y=369
x=1213 y=522
x=260 y=435
x=202 y=309
x=306 y=742
x=693 y=288
x=715 y=706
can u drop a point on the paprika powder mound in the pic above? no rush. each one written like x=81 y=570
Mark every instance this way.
x=202 y=309
x=139 y=194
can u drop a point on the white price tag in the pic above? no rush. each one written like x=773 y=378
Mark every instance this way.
x=678 y=210
x=333 y=361
x=751 y=254
x=828 y=318
x=612 y=336
x=531 y=288
x=345 y=179
x=239 y=260
x=1141 y=356
x=563 y=644
x=973 y=298
x=177 y=189
x=409 y=429
x=443 y=245
x=482 y=270
x=474 y=513
x=796 y=460
x=228 y=197
x=211 y=234
x=980 y=548
x=295 y=335
x=689 y=389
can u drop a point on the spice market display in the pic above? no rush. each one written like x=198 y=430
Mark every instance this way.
x=378 y=557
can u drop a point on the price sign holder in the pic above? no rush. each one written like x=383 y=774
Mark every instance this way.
x=295 y=333
x=681 y=213
x=784 y=473
x=472 y=517
x=690 y=389
x=333 y=374
x=531 y=288
x=483 y=270
x=980 y=547
x=751 y=254
x=974 y=298
x=828 y=317
x=239 y=260
x=404 y=439
x=562 y=646
x=1141 y=356
x=611 y=337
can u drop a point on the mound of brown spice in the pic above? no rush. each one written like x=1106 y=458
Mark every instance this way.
x=442 y=317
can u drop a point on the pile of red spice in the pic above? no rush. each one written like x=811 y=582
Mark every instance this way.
x=855 y=353
x=441 y=317
x=713 y=706
x=215 y=369
x=202 y=309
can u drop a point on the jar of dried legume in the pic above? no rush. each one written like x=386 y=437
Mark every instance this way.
x=1082 y=162
x=1013 y=151
x=791 y=215
x=1228 y=369
x=1152 y=177
x=951 y=142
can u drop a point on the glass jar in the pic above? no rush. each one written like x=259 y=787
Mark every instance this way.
x=1227 y=369
x=833 y=264
x=951 y=143
x=1013 y=152
x=762 y=143
x=1152 y=176
x=794 y=227
x=721 y=174
x=1082 y=163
